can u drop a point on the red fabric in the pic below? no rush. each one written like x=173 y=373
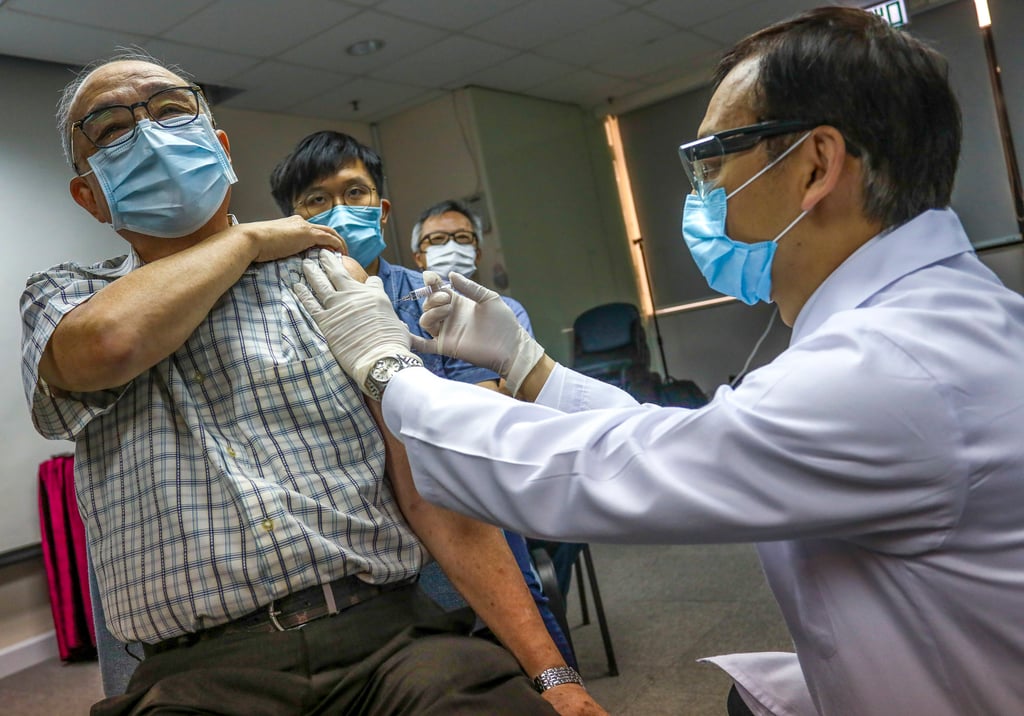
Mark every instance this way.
x=63 y=542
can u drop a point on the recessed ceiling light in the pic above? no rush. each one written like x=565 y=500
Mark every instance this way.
x=364 y=47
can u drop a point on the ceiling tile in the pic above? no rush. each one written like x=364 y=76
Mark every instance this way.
x=688 y=14
x=449 y=14
x=518 y=74
x=730 y=28
x=145 y=17
x=697 y=71
x=444 y=62
x=541 y=21
x=327 y=50
x=206 y=65
x=414 y=101
x=369 y=96
x=258 y=27
x=277 y=86
x=585 y=87
x=26 y=36
x=611 y=36
x=676 y=49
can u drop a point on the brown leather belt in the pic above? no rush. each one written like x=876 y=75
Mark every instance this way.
x=290 y=612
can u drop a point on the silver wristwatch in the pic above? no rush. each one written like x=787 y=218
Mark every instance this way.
x=385 y=369
x=556 y=676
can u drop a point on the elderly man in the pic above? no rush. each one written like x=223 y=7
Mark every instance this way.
x=446 y=238
x=877 y=461
x=232 y=482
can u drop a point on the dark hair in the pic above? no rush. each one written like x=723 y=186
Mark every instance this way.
x=443 y=207
x=316 y=157
x=887 y=92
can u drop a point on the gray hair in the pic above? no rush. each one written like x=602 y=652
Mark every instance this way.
x=70 y=93
x=444 y=207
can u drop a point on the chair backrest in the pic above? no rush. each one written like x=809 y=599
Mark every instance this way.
x=609 y=342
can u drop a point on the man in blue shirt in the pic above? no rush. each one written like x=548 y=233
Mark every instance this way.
x=447 y=238
x=331 y=179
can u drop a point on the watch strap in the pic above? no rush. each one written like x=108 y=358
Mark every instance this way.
x=556 y=676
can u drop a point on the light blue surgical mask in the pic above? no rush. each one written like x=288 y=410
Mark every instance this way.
x=165 y=182
x=359 y=226
x=735 y=268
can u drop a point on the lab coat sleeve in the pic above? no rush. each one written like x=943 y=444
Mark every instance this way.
x=799 y=450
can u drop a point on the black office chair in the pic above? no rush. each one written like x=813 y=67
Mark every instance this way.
x=609 y=344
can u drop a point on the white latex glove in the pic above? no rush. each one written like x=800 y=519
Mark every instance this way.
x=357 y=319
x=476 y=326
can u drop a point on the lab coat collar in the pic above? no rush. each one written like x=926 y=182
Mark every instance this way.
x=926 y=239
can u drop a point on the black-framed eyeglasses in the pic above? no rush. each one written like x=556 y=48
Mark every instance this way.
x=702 y=158
x=318 y=201
x=440 y=238
x=114 y=125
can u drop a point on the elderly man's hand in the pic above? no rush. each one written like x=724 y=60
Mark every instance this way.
x=573 y=700
x=278 y=238
x=475 y=325
x=357 y=319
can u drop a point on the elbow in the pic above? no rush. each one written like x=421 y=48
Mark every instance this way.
x=95 y=360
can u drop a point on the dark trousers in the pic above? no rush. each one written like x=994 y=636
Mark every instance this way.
x=395 y=654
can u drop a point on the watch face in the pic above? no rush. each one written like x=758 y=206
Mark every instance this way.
x=385 y=368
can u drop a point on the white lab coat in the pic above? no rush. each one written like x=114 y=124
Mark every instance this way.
x=878 y=462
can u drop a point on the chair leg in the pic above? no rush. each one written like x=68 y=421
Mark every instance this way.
x=613 y=667
x=581 y=589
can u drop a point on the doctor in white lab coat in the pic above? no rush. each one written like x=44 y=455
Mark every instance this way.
x=878 y=462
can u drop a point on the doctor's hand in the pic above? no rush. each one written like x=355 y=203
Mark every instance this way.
x=475 y=325
x=357 y=319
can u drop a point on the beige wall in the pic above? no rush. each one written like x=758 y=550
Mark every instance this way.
x=432 y=153
x=554 y=202
x=259 y=140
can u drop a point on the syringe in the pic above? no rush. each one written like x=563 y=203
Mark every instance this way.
x=420 y=293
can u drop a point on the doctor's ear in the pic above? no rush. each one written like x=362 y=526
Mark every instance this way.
x=85 y=197
x=385 y=210
x=826 y=149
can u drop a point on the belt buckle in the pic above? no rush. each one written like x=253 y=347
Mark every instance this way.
x=272 y=613
x=332 y=608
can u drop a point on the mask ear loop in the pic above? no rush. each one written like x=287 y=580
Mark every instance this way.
x=771 y=164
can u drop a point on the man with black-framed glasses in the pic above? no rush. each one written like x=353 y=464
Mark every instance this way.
x=330 y=178
x=248 y=521
x=876 y=462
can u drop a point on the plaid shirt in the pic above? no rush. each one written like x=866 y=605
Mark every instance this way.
x=239 y=469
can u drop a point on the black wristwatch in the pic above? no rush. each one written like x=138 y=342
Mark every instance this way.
x=556 y=676
x=385 y=369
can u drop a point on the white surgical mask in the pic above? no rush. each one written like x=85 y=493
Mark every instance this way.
x=452 y=256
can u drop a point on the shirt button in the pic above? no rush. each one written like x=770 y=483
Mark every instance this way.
x=198 y=377
x=267 y=524
x=231 y=451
